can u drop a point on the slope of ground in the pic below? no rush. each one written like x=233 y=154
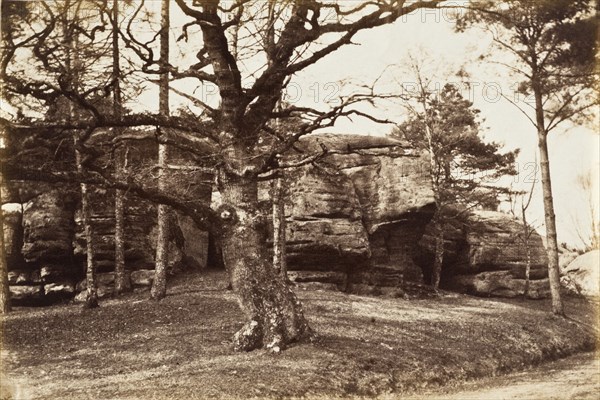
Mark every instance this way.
x=180 y=347
x=573 y=378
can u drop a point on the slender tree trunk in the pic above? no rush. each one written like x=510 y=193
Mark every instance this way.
x=550 y=218
x=527 y=231
x=4 y=289
x=122 y=283
x=275 y=316
x=91 y=298
x=159 y=285
x=439 y=252
x=527 y=270
x=279 y=226
x=72 y=70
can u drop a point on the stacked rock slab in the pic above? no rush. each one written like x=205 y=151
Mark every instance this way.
x=38 y=232
x=485 y=255
x=46 y=247
x=354 y=218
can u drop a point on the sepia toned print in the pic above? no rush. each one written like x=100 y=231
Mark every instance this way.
x=299 y=199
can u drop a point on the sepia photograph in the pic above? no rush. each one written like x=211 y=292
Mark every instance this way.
x=299 y=199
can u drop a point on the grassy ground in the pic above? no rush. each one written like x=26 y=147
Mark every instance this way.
x=180 y=348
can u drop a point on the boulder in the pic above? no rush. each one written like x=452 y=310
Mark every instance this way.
x=26 y=294
x=24 y=277
x=498 y=284
x=484 y=251
x=361 y=211
x=142 y=277
x=324 y=230
x=494 y=242
x=390 y=177
x=56 y=273
x=48 y=227
x=582 y=275
x=12 y=224
x=337 y=278
x=59 y=290
x=195 y=246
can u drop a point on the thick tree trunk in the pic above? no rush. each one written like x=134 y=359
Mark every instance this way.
x=274 y=313
x=439 y=252
x=4 y=289
x=159 y=285
x=279 y=235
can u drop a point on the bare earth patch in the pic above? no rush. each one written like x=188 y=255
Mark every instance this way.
x=180 y=348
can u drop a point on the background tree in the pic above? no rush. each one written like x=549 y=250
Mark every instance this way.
x=159 y=284
x=553 y=44
x=4 y=288
x=590 y=235
x=122 y=282
x=520 y=212
x=461 y=164
x=249 y=51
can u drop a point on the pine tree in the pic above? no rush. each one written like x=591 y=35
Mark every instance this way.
x=446 y=125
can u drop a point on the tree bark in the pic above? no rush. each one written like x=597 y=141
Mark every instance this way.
x=159 y=285
x=550 y=218
x=91 y=297
x=122 y=283
x=439 y=252
x=274 y=313
x=4 y=288
x=279 y=226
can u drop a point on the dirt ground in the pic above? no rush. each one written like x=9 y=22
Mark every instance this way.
x=573 y=378
x=180 y=347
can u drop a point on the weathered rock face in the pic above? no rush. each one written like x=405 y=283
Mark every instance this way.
x=485 y=255
x=46 y=246
x=582 y=275
x=499 y=284
x=48 y=227
x=353 y=222
x=325 y=231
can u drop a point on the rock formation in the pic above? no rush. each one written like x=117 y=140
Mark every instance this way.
x=354 y=218
x=357 y=220
x=582 y=275
x=46 y=245
x=485 y=256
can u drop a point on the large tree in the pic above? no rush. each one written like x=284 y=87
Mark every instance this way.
x=249 y=50
x=553 y=45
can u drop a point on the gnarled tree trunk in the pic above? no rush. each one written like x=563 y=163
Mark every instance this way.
x=274 y=313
